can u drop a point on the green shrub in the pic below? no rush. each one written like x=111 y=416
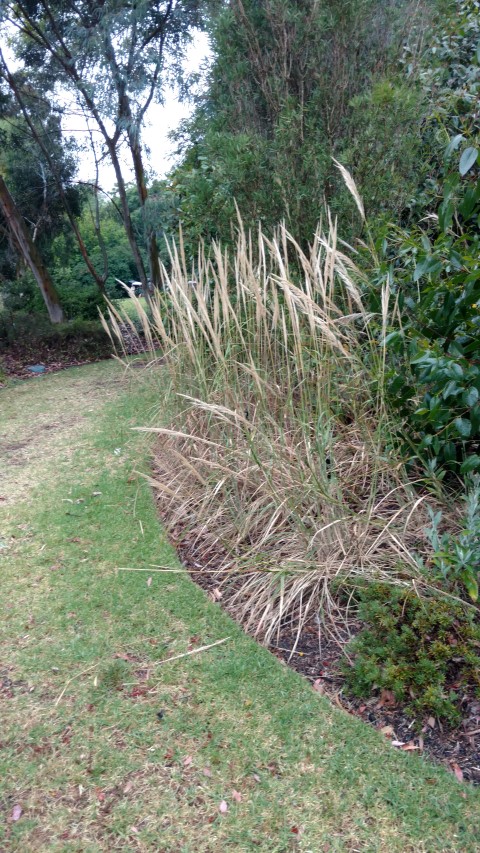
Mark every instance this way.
x=421 y=650
x=36 y=337
x=456 y=557
x=78 y=299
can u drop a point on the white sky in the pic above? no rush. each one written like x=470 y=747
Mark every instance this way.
x=160 y=120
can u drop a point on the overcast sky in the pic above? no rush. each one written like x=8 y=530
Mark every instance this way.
x=160 y=121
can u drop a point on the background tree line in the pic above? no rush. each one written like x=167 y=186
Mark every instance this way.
x=291 y=86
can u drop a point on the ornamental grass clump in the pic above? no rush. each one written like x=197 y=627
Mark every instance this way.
x=279 y=464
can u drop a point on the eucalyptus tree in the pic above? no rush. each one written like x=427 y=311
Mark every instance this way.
x=113 y=57
x=32 y=209
x=38 y=134
x=30 y=253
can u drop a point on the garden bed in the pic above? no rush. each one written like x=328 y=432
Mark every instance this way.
x=317 y=655
x=31 y=356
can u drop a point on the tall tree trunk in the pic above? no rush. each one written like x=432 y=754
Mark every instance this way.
x=97 y=277
x=30 y=253
x=150 y=236
x=127 y=219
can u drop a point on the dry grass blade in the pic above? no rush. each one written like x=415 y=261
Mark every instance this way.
x=279 y=469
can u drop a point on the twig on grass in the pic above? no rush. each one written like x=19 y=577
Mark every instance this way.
x=159 y=569
x=192 y=652
x=78 y=675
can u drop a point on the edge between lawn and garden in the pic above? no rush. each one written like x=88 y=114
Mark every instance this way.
x=107 y=746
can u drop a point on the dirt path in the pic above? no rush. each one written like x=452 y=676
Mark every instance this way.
x=41 y=421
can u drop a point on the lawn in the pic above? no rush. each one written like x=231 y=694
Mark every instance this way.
x=104 y=745
x=129 y=306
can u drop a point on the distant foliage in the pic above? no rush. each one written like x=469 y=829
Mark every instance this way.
x=291 y=85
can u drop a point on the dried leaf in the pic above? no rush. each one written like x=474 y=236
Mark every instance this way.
x=128 y=787
x=149 y=582
x=187 y=761
x=398 y=743
x=207 y=772
x=431 y=722
x=458 y=771
x=236 y=795
x=409 y=747
x=319 y=686
x=16 y=813
x=223 y=807
x=387 y=731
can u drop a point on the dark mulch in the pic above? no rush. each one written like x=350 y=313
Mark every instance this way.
x=317 y=657
x=54 y=356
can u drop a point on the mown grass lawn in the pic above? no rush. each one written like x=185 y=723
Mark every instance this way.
x=103 y=746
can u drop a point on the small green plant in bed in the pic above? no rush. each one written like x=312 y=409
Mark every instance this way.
x=456 y=557
x=424 y=651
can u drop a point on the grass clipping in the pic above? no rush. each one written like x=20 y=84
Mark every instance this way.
x=279 y=466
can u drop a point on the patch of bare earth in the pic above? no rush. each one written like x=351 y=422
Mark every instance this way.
x=43 y=423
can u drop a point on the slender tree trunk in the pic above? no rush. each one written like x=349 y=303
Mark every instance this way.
x=150 y=236
x=99 y=279
x=127 y=219
x=30 y=253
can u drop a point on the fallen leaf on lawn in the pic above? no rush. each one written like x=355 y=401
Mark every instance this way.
x=16 y=813
x=387 y=731
x=128 y=787
x=187 y=761
x=294 y=829
x=420 y=743
x=96 y=494
x=319 y=686
x=236 y=795
x=223 y=807
x=149 y=582
x=410 y=746
x=458 y=771
x=398 y=743
x=256 y=777
x=362 y=708
x=207 y=772
x=431 y=722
